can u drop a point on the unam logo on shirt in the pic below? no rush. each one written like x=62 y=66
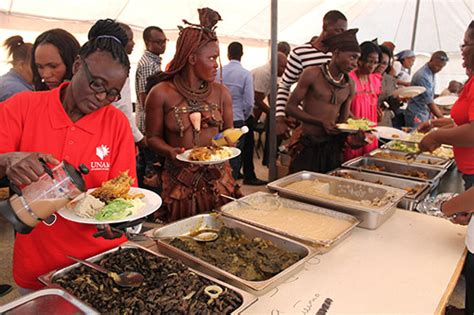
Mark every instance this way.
x=101 y=151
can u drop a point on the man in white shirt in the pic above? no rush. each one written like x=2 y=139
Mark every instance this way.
x=262 y=89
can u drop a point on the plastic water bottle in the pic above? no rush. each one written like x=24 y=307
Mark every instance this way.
x=233 y=134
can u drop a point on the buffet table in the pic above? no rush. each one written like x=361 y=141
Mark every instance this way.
x=410 y=264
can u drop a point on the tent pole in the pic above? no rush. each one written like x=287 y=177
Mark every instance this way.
x=415 y=24
x=272 y=174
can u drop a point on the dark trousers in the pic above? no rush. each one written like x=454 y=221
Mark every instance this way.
x=317 y=154
x=266 y=149
x=246 y=144
x=469 y=263
x=399 y=120
x=145 y=160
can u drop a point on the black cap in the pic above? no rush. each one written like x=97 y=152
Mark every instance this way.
x=345 y=41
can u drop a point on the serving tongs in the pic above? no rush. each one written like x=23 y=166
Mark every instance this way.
x=411 y=157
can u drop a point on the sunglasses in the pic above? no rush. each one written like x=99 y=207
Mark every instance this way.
x=112 y=95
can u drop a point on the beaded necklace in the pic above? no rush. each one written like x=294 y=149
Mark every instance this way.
x=197 y=105
x=331 y=77
x=334 y=84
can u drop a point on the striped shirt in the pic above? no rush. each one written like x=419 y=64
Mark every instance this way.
x=149 y=64
x=299 y=59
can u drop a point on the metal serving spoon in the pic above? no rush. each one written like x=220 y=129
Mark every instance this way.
x=274 y=203
x=125 y=279
x=204 y=235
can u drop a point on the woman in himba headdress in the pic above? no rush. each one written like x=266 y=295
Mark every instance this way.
x=186 y=108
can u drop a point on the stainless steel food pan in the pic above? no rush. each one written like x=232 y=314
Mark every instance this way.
x=215 y=221
x=52 y=301
x=260 y=198
x=394 y=168
x=391 y=181
x=392 y=145
x=353 y=191
x=247 y=298
x=421 y=160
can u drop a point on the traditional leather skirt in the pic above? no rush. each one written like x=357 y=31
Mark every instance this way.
x=190 y=189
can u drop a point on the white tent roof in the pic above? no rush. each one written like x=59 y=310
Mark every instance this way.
x=441 y=23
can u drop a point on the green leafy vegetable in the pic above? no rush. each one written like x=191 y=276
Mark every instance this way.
x=117 y=209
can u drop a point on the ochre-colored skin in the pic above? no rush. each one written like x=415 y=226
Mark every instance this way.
x=162 y=129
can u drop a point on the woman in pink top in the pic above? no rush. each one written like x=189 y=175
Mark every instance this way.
x=368 y=86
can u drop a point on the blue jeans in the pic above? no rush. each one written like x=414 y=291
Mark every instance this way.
x=236 y=163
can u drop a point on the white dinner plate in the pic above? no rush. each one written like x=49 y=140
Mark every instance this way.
x=408 y=91
x=390 y=133
x=344 y=127
x=448 y=100
x=184 y=157
x=151 y=200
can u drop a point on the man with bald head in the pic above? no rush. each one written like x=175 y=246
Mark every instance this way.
x=421 y=107
x=262 y=89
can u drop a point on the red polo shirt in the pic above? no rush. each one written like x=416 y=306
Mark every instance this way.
x=463 y=113
x=102 y=140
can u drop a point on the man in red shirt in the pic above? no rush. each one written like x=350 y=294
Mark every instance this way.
x=73 y=123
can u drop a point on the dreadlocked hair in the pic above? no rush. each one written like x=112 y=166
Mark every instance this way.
x=107 y=35
x=189 y=41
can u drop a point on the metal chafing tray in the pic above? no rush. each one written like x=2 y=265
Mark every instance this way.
x=371 y=217
x=392 y=146
x=408 y=202
x=247 y=298
x=324 y=245
x=421 y=160
x=394 y=168
x=215 y=221
x=47 y=301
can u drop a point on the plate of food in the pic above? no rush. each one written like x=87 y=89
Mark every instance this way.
x=447 y=100
x=208 y=155
x=385 y=132
x=114 y=202
x=408 y=92
x=353 y=125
